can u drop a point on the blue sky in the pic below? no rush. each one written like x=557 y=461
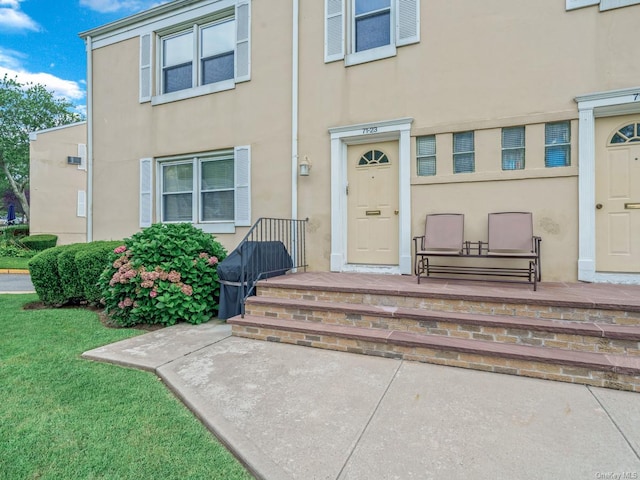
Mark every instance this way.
x=39 y=40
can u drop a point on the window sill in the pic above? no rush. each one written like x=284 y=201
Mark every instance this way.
x=217 y=227
x=193 y=92
x=370 y=55
x=502 y=175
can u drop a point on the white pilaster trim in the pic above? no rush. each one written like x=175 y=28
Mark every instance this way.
x=341 y=137
x=591 y=106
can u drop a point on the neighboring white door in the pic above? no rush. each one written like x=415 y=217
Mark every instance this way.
x=618 y=196
x=372 y=204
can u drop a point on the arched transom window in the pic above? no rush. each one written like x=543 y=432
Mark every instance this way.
x=373 y=157
x=628 y=133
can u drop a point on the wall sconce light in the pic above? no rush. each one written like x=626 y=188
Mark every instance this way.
x=305 y=167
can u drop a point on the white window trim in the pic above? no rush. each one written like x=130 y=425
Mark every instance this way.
x=339 y=27
x=611 y=4
x=215 y=226
x=341 y=137
x=573 y=4
x=590 y=107
x=240 y=10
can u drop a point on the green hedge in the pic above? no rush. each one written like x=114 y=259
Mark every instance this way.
x=45 y=276
x=69 y=274
x=39 y=242
x=15 y=231
x=92 y=261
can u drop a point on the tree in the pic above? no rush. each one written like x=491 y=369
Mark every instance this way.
x=26 y=108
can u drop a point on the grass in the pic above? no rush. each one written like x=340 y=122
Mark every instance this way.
x=63 y=417
x=13 y=262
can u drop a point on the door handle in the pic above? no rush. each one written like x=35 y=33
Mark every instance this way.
x=598 y=206
x=395 y=212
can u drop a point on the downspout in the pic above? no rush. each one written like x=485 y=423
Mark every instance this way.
x=89 y=44
x=294 y=113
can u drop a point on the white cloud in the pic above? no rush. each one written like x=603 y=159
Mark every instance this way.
x=12 y=18
x=11 y=65
x=106 y=6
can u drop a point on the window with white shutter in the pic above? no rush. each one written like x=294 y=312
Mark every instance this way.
x=81 y=210
x=210 y=55
x=211 y=190
x=375 y=27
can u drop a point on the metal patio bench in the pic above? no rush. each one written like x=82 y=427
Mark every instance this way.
x=510 y=237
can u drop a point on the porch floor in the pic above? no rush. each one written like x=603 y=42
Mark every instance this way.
x=565 y=294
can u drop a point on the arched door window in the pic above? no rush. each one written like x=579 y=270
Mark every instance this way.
x=373 y=157
x=628 y=133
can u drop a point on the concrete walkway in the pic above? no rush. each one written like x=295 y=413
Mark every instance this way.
x=15 y=281
x=291 y=412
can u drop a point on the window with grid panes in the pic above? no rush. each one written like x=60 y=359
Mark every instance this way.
x=557 y=144
x=513 y=148
x=426 y=155
x=200 y=189
x=211 y=45
x=463 y=152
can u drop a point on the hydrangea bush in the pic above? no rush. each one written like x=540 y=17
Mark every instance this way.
x=164 y=274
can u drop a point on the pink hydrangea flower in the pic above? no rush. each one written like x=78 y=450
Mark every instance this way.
x=120 y=249
x=127 y=302
x=213 y=261
x=153 y=294
x=204 y=255
x=147 y=284
x=174 y=276
x=187 y=290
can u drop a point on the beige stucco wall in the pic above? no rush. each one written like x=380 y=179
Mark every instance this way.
x=479 y=66
x=54 y=184
x=256 y=113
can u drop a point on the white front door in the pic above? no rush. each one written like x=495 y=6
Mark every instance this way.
x=373 y=204
x=618 y=195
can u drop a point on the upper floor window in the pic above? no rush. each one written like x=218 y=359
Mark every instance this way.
x=426 y=155
x=208 y=55
x=557 y=144
x=372 y=24
x=513 y=148
x=365 y=30
x=463 y=152
x=198 y=56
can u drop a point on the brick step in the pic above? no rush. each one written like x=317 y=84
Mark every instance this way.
x=598 y=369
x=504 y=303
x=554 y=333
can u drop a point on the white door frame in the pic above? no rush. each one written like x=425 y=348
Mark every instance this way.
x=590 y=107
x=341 y=137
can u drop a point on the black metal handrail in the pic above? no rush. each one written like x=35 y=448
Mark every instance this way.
x=281 y=247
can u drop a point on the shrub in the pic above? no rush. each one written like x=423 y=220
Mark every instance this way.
x=39 y=242
x=10 y=249
x=163 y=274
x=91 y=262
x=69 y=274
x=16 y=231
x=45 y=276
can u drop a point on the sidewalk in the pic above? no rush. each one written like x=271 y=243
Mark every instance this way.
x=291 y=412
x=15 y=281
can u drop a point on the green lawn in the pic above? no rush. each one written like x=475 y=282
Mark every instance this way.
x=13 y=262
x=63 y=417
